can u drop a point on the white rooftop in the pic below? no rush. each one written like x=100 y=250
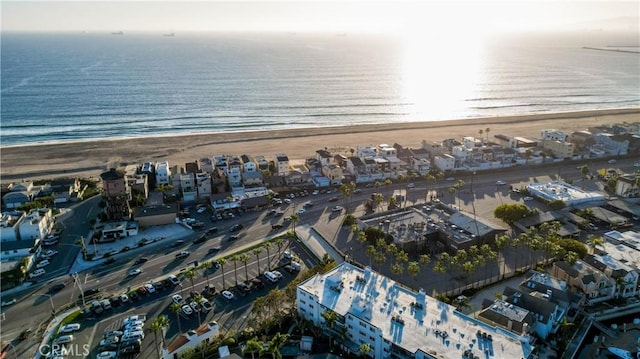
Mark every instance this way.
x=558 y=190
x=435 y=328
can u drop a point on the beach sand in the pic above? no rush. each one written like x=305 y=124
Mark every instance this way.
x=93 y=157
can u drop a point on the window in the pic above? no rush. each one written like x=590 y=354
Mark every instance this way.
x=362 y=333
x=311 y=306
x=371 y=329
x=302 y=310
x=302 y=301
x=350 y=326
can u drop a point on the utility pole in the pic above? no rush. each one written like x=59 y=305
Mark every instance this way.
x=77 y=281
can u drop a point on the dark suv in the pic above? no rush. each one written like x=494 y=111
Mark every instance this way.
x=236 y=227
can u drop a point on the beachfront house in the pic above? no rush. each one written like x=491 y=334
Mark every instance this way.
x=163 y=173
x=117 y=194
x=188 y=187
x=204 y=185
x=324 y=157
x=282 y=164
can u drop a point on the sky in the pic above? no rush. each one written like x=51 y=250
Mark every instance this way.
x=314 y=16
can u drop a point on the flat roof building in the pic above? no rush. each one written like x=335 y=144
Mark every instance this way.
x=398 y=322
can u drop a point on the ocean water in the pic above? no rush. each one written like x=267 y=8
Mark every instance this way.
x=70 y=87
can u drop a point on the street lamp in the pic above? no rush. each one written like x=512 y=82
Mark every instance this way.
x=53 y=308
x=75 y=279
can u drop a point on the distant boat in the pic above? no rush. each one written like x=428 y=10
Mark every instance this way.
x=170 y=34
x=117 y=33
x=620 y=353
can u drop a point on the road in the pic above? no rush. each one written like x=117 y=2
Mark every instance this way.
x=480 y=191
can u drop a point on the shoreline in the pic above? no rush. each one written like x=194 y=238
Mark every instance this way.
x=84 y=158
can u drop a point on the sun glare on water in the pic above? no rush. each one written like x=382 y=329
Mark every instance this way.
x=440 y=71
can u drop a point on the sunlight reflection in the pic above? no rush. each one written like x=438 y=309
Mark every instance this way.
x=441 y=72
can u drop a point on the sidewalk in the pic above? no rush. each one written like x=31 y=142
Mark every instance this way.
x=49 y=332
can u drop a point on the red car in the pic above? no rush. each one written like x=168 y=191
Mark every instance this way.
x=333 y=199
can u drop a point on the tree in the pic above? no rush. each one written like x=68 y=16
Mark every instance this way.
x=364 y=349
x=267 y=246
x=157 y=326
x=511 y=213
x=330 y=317
x=371 y=252
x=256 y=252
x=191 y=273
x=584 y=170
x=253 y=345
x=294 y=220
x=206 y=266
x=222 y=262
x=244 y=258
x=177 y=308
x=276 y=343
x=235 y=258
x=347 y=191
x=413 y=268
x=486 y=131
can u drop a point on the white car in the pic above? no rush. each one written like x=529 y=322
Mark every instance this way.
x=43 y=264
x=194 y=306
x=124 y=298
x=527 y=198
x=177 y=298
x=186 y=309
x=315 y=193
x=36 y=273
x=107 y=355
x=63 y=339
x=287 y=201
x=112 y=334
x=49 y=253
x=277 y=274
x=109 y=341
x=300 y=211
x=135 y=272
x=206 y=306
x=150 y=288
x=337 y=209
x=70 y=328
x=227 y=295
x=173 y=279
x=500 y=183
x=202 y=210
x=411 y=185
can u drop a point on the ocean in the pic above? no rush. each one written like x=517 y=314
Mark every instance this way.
x=73 y=87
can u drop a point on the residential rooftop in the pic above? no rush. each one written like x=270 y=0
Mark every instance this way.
x=410 y=320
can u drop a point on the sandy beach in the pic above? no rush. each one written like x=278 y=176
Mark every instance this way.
x=91 y=158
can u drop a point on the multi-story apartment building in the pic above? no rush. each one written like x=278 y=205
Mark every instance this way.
x=396 y=322
x=204 y=185
x=282 y=164
x=9 y=221
x=38 y=223
x=117 y=195
x=188 y=187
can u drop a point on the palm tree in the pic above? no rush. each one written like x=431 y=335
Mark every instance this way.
x=206 y=266
x=235 y=258
x=244 y=257
x=361 y=237
x=364 y=349
x=198 y=299
x=294 y=220
x=222 y=262
x=157 y=326
x=424 y=260
x=279 y=243
x=256 y=252
x=371 y=252
x=480 y=132
x=429 y=178
x=191 y=273
x=267 y=246
x=388 y=183
x=276 y=343
x=253 y=345
x=177 y=308
x=330 y=317
x=486 y=131
x=414 y=269
x=347 y=190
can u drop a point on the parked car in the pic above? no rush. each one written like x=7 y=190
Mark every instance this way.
x=177 y=298
x=411 y=185
x=213 y=250
x=173 y=279
x=257 y=283
x=43 y=264
x=37 y=273
x=333 y=199
x=337 y=209
x=177 y=243
x=108 y=261
x=234 y=237
x=227 y=295
x=70 y=328
x=63 y=339
x=186 y=309
x=212 y=230
x=206 y=306
x=49 y=253
x=236 y=227
x=300 y=211
x=500 y=183
x=276 y=226
x=203 y=238
x=244 y=287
